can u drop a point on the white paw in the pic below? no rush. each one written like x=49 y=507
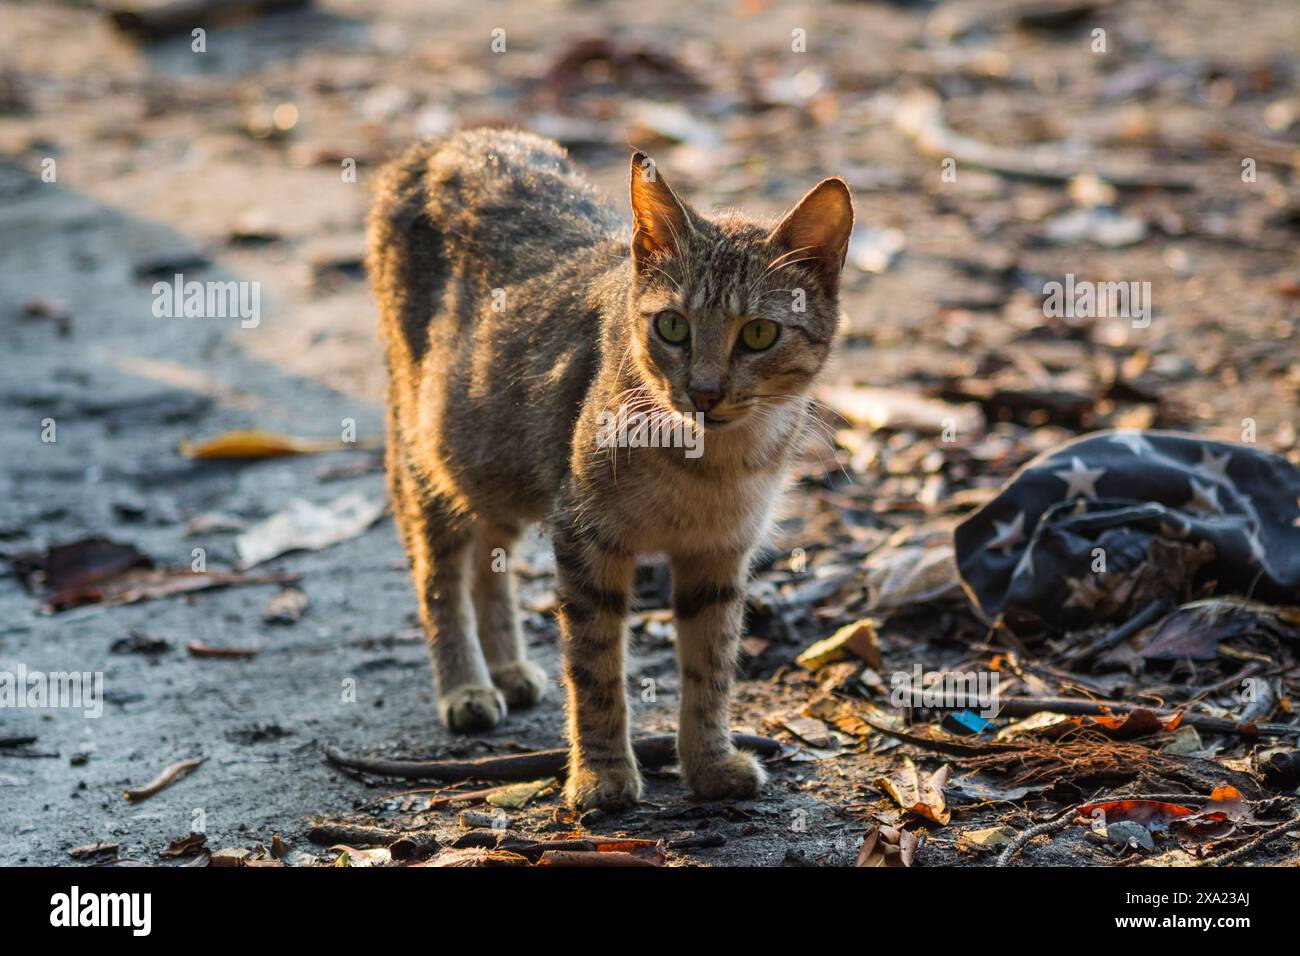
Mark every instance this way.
x=523 y=683
x=470 y=708
x=738 y=774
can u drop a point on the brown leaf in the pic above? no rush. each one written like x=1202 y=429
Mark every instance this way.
x=92 y=850
x=886 y=846
x=853 y=640
x=912 y=792
x=186 y=845
x=252 y=443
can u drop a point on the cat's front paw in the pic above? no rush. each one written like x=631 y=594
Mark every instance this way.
x=469 y=708
x=522 y=682
x=738 y=775
x=608 y=789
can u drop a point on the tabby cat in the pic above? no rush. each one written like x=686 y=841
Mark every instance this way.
x=518 y=315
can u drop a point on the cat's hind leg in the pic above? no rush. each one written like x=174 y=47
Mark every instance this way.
x=441 y=543
x=521 y=681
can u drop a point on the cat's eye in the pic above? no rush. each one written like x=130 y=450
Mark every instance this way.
x=672 y=327
x=759 y=334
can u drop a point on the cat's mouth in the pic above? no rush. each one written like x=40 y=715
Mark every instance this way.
x=719 y=422
x=714 y=420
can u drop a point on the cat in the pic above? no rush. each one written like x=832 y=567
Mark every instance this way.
x=518 y=313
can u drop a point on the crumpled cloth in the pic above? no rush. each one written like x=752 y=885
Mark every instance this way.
x=1100 y=525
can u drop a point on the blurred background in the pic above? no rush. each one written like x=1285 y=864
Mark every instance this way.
x=238 y=149
x=992 y=148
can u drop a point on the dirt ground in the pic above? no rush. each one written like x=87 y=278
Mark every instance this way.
x=229 y=164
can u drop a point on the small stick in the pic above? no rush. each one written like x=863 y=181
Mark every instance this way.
x=199 y=649
x=1246 y=848
x=402 y=844
x=1120 y=634
x=326 y=833
x=444 y=798
x=535 y=849
x=1052 y=826
x=415 y=845
x=651 y=752
x=1024 y=706
x=588 y=858
x=165 y=779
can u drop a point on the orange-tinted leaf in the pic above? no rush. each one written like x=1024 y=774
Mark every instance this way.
x=920 y=795
x=1228 y=801
x=252 y=443
x=1144 y=812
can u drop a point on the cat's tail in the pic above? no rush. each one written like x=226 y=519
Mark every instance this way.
x=405 y=258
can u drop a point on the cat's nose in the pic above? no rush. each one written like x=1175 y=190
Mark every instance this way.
x=703 y=399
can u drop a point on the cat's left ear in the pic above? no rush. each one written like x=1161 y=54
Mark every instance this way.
x=819 y=228
x=660 y=221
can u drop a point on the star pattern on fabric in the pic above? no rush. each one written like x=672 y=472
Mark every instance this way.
x=1133 y=441
x=1027 y=549
x=1009 y=533
x=1204 y=500
x=1081 y=481
x=1215 y=466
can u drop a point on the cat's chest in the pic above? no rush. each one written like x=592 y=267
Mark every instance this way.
x=677 y=507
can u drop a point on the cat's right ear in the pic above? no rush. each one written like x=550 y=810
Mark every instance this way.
x=660 y=221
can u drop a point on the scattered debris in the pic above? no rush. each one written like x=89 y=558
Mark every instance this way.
x=199 y=649
x=141 y=643
x=170 y=775
x=882 y=408
x=887 y=846
x=919 y=115
x=304 y=526
x=156 y=19
x=93 y=850
x=285 y=607
x=916 y=794
x=852 y=640
x=192 y=845
x=650 y=752
x=251 y=444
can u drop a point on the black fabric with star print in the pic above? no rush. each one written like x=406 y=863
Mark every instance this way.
x=1042 y=549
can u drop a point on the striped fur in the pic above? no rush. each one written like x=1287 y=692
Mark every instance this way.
x=515 y=309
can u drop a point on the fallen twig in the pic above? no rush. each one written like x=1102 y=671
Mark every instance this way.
x=1051 y=826
x=199 y=649
x=945 y=745
x=1247 y=848
x=165 y=779
x=1147 y=615
x=651 y=752
x=920 y=117
x=593 y=858
x=402 y=844
x=1024 y=706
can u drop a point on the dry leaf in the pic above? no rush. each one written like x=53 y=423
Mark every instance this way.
x=304 y=526
x=886 y=846
x=856 y=639
x=251 y=443
x=923 y=796
x=519 y=795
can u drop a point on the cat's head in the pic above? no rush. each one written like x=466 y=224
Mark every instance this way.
x=731 y=316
